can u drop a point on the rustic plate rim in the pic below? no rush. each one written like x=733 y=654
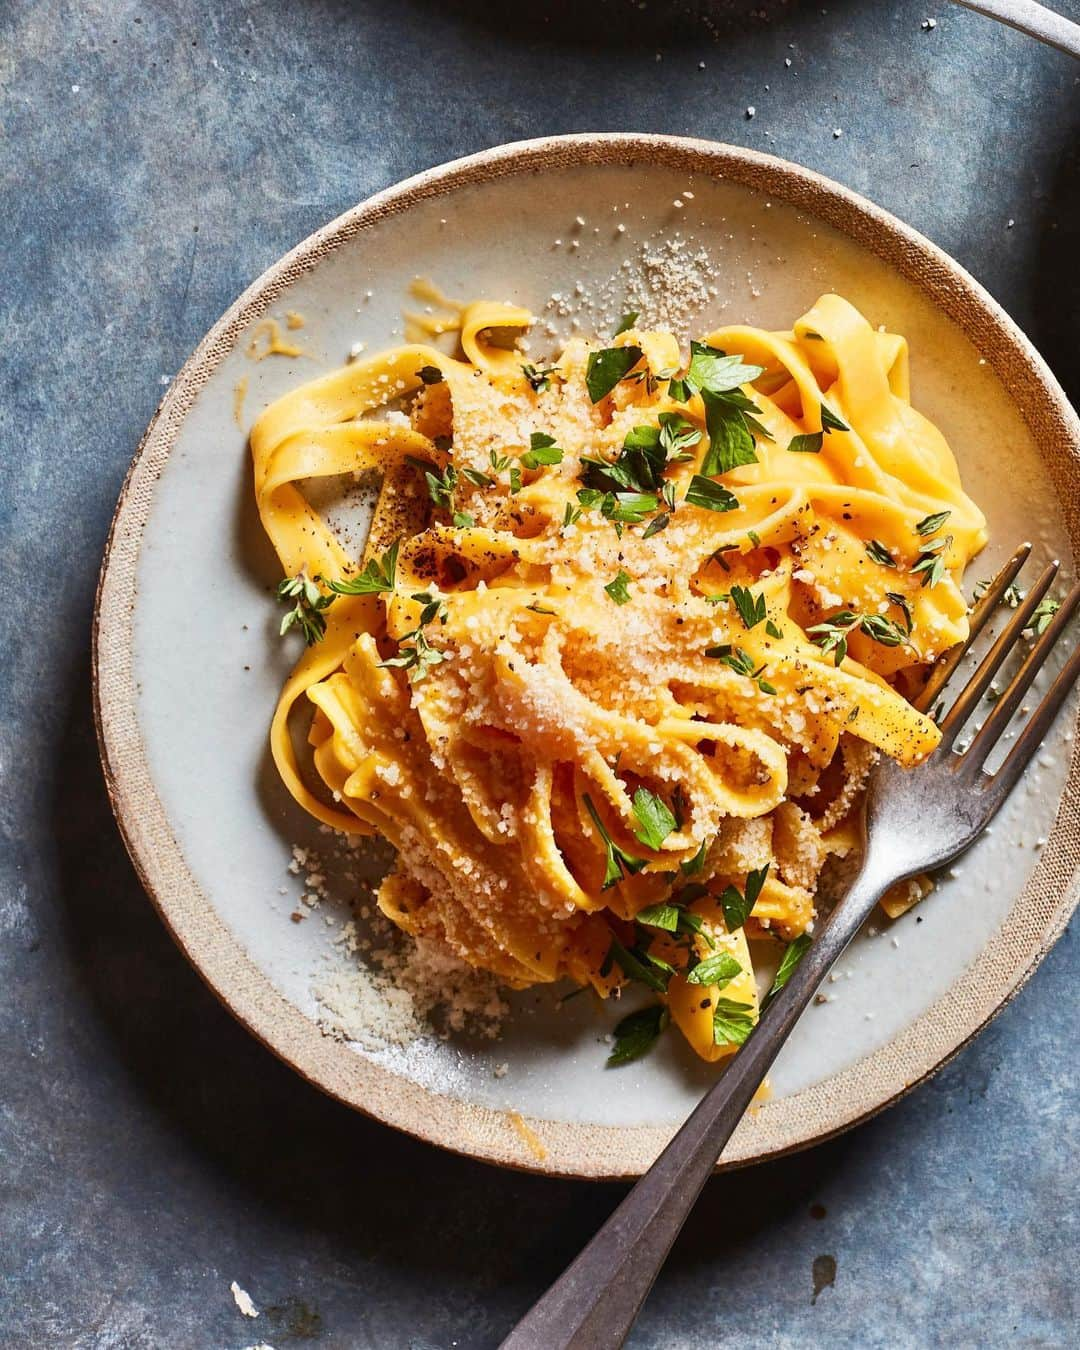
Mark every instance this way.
x=572 y=1149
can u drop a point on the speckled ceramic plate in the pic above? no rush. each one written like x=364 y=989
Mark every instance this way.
x=578 y=227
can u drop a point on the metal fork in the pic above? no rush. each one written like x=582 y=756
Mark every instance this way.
x=914 y=819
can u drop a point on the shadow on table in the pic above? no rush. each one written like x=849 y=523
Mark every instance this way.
x=1055 y=286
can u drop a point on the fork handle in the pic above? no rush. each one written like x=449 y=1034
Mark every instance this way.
x=594 y=1303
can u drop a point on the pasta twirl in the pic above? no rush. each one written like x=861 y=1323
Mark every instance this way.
x=626 y=634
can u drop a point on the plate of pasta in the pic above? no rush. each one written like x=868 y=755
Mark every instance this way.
x=559 y=584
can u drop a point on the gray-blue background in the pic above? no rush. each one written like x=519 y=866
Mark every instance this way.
x=154 y=158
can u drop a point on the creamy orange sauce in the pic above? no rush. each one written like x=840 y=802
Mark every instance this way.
x=239 y=394
x=267 y=340
x=531 y=1138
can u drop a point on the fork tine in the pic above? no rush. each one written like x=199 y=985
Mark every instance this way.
x=988 y=602
x=1010 y=700
x=975 y=688
x=1030 y=738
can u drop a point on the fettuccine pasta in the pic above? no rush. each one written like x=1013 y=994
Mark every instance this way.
x=626 y=634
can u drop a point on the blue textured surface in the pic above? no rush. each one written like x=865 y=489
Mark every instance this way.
x=154 y=158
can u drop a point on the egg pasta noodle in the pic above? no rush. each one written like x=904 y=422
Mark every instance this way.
x=627 y=631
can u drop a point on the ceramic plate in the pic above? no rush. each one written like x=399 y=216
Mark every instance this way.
x=578 y=229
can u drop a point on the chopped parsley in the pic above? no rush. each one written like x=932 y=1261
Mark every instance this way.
x=477 y=478
x=418 y=659
x=637 y=1033
x=617 y=589
x=710 y=496
x=622 y=508
x=697 y=862
x=655 y=818
x=617 y=862
x=717 y=377
x=463 y=520
x=637 y=965
x=807 y=443
x=625 y=323
x=810 y=443
x=379 y=575
x=542 y=450
x=717 y=970
x=607 y=367
x=772 y=630
x=793 y=954
x=751 y=607
x=732 y=1022
x=738 y=905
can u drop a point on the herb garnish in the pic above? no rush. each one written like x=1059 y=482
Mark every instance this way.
x=710 y=496
x=379 y=575
x=717 y=377
x=638 y=965
x=931 y=559
x=732 y=1022
x=751 y=607
x=626 y=322
x=655 y=818
x=477 y=478
x=833 y=636
x=539 y=378
x=622 y=508
x=617 y=589
x=607 y=367
x=1040 y=619
x=617 y=862
x=440 y=485
x=793 y=954
x=307 y=611
x=740 y=663
x=877 y=552
x=542 y=450
x=738 y=905
x=810 y=443
x=419 y=658
x=637 y=1033
x=930 y=524
x=717 y=970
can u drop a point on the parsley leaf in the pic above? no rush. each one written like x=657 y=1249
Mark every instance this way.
x=793 y=954
x=809 y=443
x=542 y=450
x=677 y=434
x=664 y=916
x=732 y=1022
x=636 y=966
x=637 y=1033
x=617 y=589
x=617 y=862
x=738 y=905
x=378 y=575
x=697 y=862
x=710 y=496
x=625 y=323
x=751 y=607
x=717 y=970
x=654 y=817
x=607 y=367
x=772 y=630
x=830 y=421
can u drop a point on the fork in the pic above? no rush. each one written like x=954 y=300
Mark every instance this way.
x=913 y=820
